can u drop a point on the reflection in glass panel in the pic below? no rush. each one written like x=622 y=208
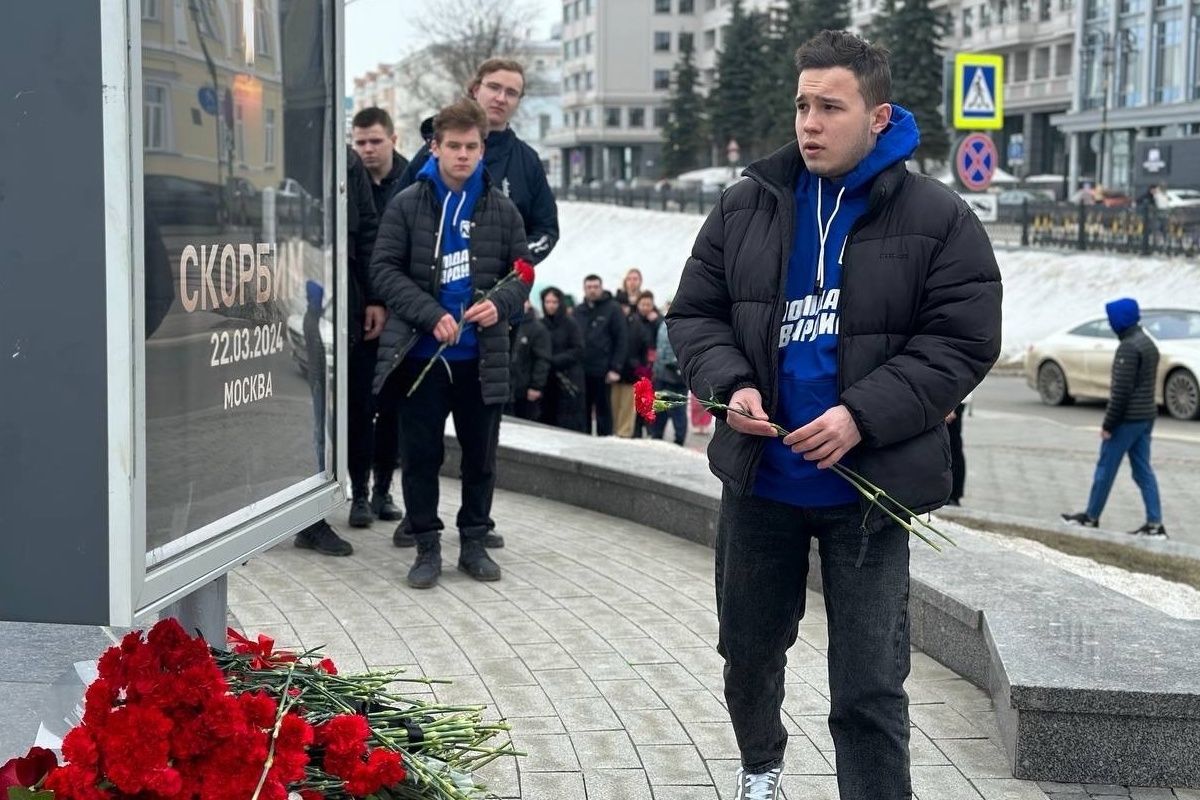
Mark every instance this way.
x=238 y=173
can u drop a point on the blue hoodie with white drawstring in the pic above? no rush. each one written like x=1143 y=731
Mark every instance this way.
x=826 y=211
x=453 y=254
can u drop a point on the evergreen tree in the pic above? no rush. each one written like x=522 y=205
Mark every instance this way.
x=734 y=98
x=913 y=32
x=685 y=137
x=792 y=24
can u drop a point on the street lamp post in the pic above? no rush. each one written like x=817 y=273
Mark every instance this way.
x=1122 y=47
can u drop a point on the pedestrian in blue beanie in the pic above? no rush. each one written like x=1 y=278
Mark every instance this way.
x=1128 y=422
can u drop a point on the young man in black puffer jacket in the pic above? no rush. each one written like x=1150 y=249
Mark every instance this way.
x=443 y=242
x=1128 y=422
x=855 y=305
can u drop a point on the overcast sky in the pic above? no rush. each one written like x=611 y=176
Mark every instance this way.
x=382 y=31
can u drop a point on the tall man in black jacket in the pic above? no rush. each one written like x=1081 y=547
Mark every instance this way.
x=855 y=304
x=605 y=340
x=444 y=243
x=1128 y=422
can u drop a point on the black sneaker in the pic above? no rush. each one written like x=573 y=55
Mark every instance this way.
x=427 y=567
x=402 y=536
x=383 y=507
x=493 y=540
x=322 y=538
x=1151 y=530
x=1081 y=519
x=361 y=515
x=474 y=560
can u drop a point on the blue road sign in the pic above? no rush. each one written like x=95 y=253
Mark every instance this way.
x=207 y=97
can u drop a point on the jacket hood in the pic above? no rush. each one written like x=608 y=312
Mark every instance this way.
x=1123 y=314
x=475 y=185
x=427 y=129
x=897 y=142
x=499 y=141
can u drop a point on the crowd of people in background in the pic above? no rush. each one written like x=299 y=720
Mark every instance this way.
x=575 y=365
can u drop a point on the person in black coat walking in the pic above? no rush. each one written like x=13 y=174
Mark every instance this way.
x=531 y=354
x=605 y=333
x=562 y=402
x=854 y=304
x=1128 y=421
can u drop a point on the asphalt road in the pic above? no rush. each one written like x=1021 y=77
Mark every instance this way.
x=1032 y=460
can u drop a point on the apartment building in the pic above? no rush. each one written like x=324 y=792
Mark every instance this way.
x=414 y=88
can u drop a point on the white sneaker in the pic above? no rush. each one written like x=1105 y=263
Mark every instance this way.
x=758 y=786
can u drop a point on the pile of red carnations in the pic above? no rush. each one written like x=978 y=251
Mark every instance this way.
x=169 y=719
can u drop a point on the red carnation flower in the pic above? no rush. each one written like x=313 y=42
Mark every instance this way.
x=27 y=771
x=327 y=666
x=643 y=399
x=524 y=271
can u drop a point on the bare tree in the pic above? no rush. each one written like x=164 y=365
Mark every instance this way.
x=462 y=34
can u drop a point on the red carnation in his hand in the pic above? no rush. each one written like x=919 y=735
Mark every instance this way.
x=27 y=771
x=643 y=399
x=524 y=271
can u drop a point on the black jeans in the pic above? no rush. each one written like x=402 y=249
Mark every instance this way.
x=598 y=400
x=448 y=388
x=371 y=440
x=762 y=567
x=958 y=464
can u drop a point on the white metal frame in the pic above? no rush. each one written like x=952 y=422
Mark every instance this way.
x=137 y=592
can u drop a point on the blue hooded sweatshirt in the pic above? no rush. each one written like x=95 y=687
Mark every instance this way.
x=453 y=251
x=1123 y=314
x=826 y=210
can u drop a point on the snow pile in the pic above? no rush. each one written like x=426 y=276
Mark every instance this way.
x=1044 y=291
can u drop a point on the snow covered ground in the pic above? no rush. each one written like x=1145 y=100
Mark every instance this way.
x=1044 y=290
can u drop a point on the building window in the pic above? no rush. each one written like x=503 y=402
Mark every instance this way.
x=239 y=132
x=587 y=117
x=1129 y=62
x=687 y=41
x=1096 y=9
x=637 y=117
x=1024 y=10
x=968 y=21
x=1045 y=10
x=1167 y=3
x=576 y=79
x=152 y=10
x=687 y=6
x=1066 y=6
x=1195 y=93
x=662 y=41
x=661 y=116
x=567 y=119
x=566 y=12
x=154 y=117
x=985 y=16
x=662 y=6
x=710 y=39
x=543 y=125
x=587 y=7
x=1168 y=55
x=612 y=117
x=206 y=18
x=262 y=39
x=1132 y=6
x=1041 y=63
x=566 y=84
x=662 y=79
x=587 y=43
x=1062 y=60
x=710 y=77
x=1003 y=11
x=588 y=80
x=269 y=137
x=1093 y=69
x=576 y=119
x=1018 y=66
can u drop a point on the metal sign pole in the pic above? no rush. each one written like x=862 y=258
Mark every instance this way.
x=204 y=611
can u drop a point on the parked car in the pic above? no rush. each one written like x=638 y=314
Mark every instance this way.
x=1017 y=197
x=182 y=202
x=1182 y=198
x=1077 y=362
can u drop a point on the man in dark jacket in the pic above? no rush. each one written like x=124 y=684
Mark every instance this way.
x=1128 y=422
x=605 y=334
x=514 y=166
x=562 y=402
x=443 y=241
x=530 y=366
x=374 y=137
x=854 y=304
x=367 y=316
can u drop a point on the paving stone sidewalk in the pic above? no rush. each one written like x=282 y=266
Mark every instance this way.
x=598 y=646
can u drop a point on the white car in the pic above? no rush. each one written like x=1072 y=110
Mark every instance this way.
x=1182 y=198
x=1078 y=362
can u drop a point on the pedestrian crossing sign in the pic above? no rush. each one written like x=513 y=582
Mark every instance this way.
x=978 y=91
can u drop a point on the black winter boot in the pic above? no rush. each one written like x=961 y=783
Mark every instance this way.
x=428 y=566
x=383 y=505
x=361 y=515
x=473 y=558
x=402 y=536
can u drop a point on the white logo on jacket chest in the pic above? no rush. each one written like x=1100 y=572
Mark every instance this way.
x=815 y=315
